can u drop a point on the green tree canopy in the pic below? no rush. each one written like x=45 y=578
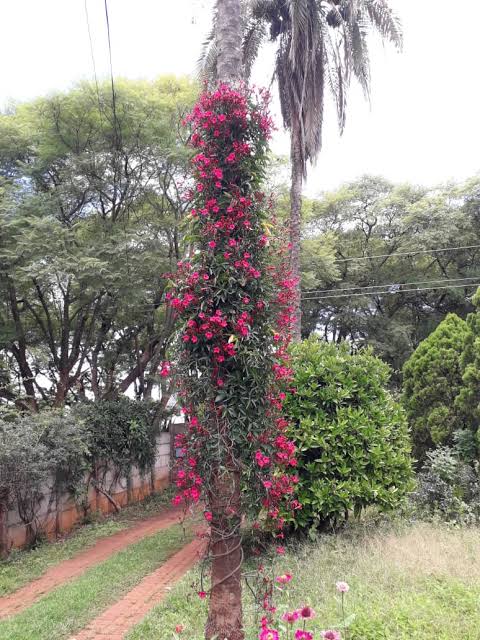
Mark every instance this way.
x=91 y=199
x=371 y=233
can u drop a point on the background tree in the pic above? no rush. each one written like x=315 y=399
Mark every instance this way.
x=90 y=207
x=432 y=382
x=373 y=253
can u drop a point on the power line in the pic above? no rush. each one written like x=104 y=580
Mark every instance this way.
x=373 y=293
x=114 y=97
x=92 y=54
x=407 y=253
x=388 y=284
x=151 y=306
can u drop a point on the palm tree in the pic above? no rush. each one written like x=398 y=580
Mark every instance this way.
x=321 y=45
x=225 y=615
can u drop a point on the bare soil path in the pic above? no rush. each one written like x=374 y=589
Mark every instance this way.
x=115 y=622
x=73 y=567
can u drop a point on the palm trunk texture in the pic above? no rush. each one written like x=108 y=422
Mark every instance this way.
x=295 y=226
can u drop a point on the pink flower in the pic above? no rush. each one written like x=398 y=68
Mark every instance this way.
x=262 y=461
x=285 y=579
x=290 y=616
x=179 y=628
x=165 y=369
x=202 y=594
x=280 y=550
x=329 y=634
x=342 y=587
x=212 y=244
x=307 y=612
x=268 y=634
x=208 y=516
x=303 y=635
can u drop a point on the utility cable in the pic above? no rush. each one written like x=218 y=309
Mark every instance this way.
x=407 y=253
x=386 y=293
x=389 y=284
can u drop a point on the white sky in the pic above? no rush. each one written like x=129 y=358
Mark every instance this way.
x=423 y=126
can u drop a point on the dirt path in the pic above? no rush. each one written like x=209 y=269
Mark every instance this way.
x=73 y=567
x=117 y=620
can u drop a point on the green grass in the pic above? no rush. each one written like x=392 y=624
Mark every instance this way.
x=23 y=566
x=69 y=607
x=418 y=582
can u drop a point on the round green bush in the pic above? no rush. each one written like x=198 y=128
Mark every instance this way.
x=352 y=437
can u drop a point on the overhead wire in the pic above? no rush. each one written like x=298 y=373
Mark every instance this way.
x=388 y=284
x=386 y=293
x=112 y=82
x=92 y=54
x=406 y=253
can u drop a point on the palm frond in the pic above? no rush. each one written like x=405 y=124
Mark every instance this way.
x=254 y=36
x=385 y=21
x=360 y=60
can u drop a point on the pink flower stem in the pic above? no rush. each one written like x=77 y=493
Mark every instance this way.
x=343 y=615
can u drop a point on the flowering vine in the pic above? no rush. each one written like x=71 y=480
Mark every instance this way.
x=232 y=299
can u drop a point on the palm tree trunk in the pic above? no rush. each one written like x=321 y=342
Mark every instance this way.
x=228 y=37
x=295 y=225
x=225 y=615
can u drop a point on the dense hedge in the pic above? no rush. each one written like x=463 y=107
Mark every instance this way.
x=352 y=437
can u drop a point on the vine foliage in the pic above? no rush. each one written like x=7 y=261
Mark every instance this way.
x=232 y=299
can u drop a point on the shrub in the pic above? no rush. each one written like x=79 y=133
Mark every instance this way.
x=432 y=381
x=352 y=437
x=120 y=432
x=40 y=456
x=448 y=487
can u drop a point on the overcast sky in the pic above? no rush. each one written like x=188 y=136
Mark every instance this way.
x=423 y=125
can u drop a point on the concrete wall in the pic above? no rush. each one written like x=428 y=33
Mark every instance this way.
x=62 y=517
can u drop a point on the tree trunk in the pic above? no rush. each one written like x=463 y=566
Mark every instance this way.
x=295 y=226
x=63 y=387
x=228 y=37
x=225 y=616
x=4 y=545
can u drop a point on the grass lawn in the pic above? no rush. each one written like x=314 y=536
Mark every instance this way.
x=419 y=582
x=25 y=565
x=69 y=607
